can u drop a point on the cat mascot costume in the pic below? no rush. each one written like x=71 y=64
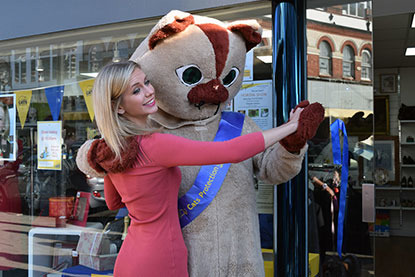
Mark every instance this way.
x=196 y=66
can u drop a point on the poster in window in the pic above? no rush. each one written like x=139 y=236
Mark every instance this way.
x=49 y=150
x=8 y=145
x=255 y=100
x=249 y=66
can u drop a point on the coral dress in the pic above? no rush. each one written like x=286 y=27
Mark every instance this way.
x=154 y=245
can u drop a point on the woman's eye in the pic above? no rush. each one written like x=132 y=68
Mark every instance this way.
x=147 y=82
x=231 y=77
x=189 y=75
x=136 y=90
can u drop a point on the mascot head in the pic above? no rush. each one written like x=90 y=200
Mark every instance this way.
x=196 y=63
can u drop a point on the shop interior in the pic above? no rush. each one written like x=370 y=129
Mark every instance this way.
x=393 y=34
x=49 y=197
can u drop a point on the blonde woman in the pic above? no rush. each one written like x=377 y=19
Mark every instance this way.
x=141 y=171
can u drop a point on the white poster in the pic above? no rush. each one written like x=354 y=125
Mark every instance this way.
x=8 y=145
x=249 y=66
x=255 y=100
x=49 y=150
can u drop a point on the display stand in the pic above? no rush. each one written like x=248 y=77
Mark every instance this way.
x=41 y=239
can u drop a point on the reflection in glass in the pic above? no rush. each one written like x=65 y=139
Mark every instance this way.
x=325 y=58
x=346 y=92
x=348 y=61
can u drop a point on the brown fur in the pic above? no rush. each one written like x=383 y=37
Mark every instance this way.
x=219 y=38
x=251 y=36
x=173 y=28
x=102 y=159
x=208 y=94
x=310 y=119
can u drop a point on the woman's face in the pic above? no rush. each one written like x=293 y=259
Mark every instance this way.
x=138 y=101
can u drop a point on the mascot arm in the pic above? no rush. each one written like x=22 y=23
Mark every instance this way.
x=275 y=165
x=310 y=119
x=112 y=197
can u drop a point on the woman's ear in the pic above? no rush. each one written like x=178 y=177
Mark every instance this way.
x=120 y=110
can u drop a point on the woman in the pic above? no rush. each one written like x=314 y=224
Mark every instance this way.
x=142 y=168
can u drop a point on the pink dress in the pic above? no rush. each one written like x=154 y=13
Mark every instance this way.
x=154 y=245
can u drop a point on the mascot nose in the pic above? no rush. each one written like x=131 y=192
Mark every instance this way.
x=212 y=92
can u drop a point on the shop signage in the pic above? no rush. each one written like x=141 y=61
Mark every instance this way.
x=49 y=151
x=255 y=100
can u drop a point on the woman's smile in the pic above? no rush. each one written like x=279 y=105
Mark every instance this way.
x=150 y=103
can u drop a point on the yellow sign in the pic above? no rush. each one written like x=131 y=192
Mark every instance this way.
x=49 y=145
x=86 y=87
x=23 y=98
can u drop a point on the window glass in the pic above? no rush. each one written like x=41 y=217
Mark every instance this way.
x=325 y=58
x=348 y=99
x=348 y=61
x=366 y=65
x=40 y=196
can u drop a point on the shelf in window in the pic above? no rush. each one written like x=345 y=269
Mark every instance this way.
x=408 y=208
x=383 y=187
x=408 y=165
x=407 y=121
x=388 y=208
x=406 y=188
x=388 y=187
x=408 y=143
x=26 y=125
x=76 y=115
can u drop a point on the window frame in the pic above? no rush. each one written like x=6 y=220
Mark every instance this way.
x=327 y=58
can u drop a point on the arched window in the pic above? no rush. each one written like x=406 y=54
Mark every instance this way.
x=348 y=61
x=325 y=58
x=366 y=65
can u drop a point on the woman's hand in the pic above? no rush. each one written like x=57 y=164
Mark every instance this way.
x=274 y=135
x=295 y=116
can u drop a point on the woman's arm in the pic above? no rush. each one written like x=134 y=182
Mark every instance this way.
x=112 y=198
x=170 y=150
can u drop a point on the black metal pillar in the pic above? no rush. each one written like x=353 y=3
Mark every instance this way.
x=290 y=84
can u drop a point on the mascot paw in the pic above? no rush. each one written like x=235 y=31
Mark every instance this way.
x=310 y=119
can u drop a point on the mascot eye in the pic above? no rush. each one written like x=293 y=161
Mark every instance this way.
x=190 y=75
x=231 y=77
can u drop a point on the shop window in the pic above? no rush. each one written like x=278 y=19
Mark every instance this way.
x=5 y=81
x=95 y=58
x=357 y=9
x=47 y=65
x=72 y=57
x=35 y=67
x=120 y=51
x=366 y=65
x=325 y=58
x=348 y=62
x=18 y=69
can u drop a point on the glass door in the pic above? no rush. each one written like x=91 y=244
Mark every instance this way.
x=341 y=155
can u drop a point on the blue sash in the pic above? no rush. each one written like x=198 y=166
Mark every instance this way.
x=210 y=177
x=344 y=161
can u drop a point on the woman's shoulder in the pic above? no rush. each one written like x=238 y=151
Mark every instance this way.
x=155 y=136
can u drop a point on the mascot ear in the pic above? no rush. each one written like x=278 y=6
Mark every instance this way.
x=172 y=23
x=250 y=30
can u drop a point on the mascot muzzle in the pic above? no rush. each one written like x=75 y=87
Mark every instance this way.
x=212 y=92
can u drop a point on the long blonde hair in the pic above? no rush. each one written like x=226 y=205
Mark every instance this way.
x=109 y=86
